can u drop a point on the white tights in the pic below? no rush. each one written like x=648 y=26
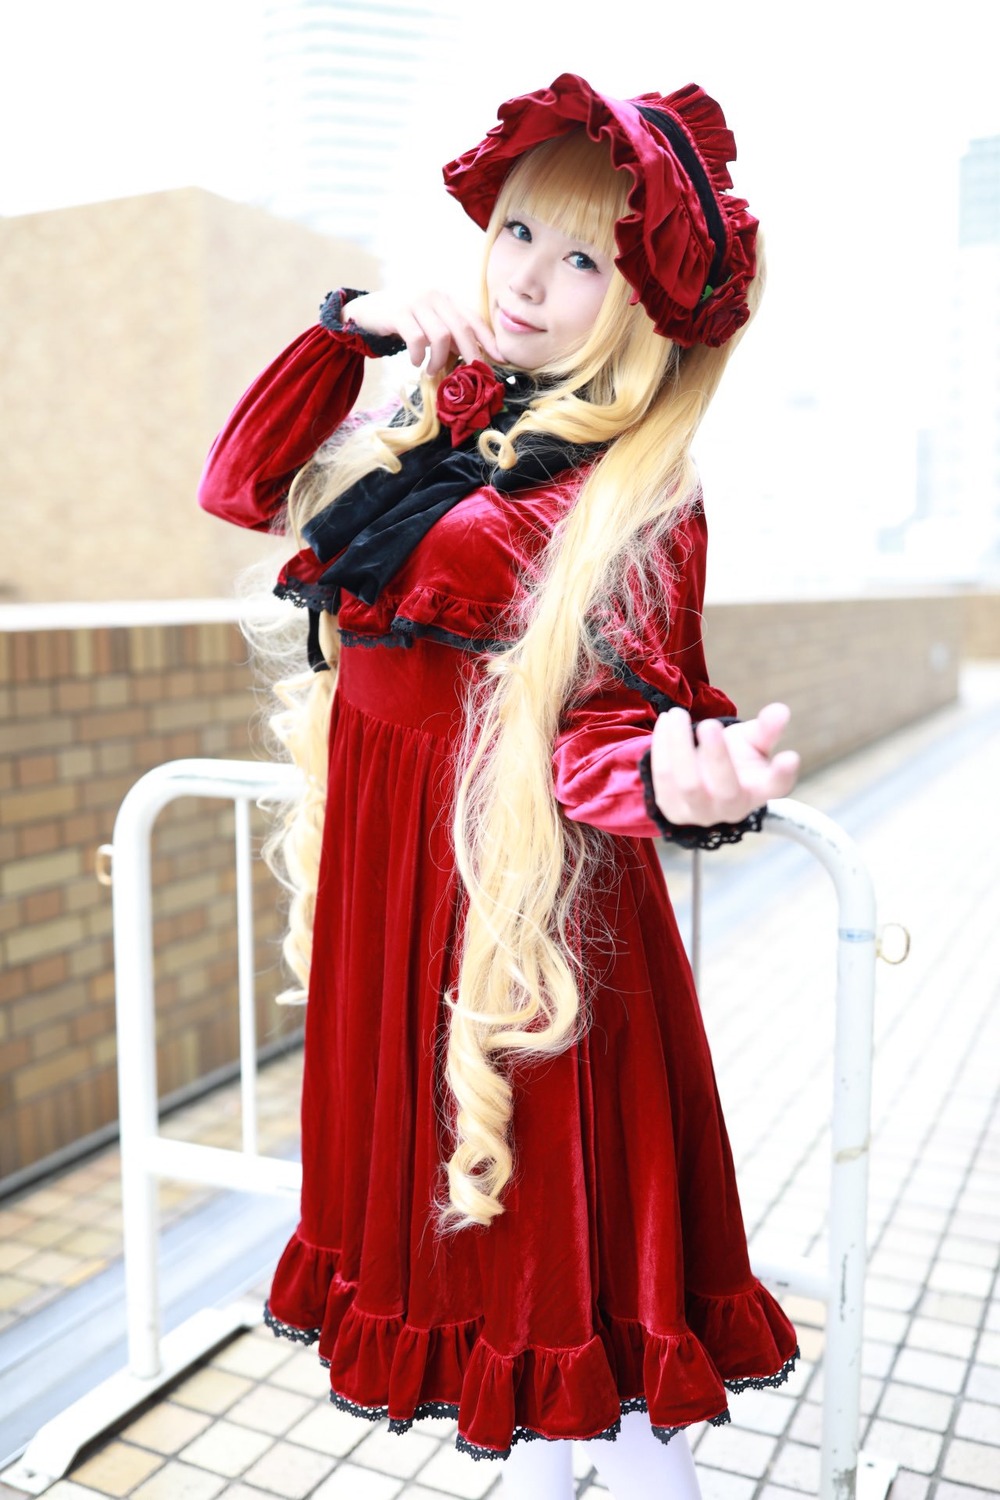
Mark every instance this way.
x=636 y=1466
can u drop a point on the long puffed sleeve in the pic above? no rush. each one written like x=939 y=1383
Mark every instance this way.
x=595 y=763
x=604 y=741
x=290 y=410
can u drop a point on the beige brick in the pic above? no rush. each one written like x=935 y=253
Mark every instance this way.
x=112 y=692
x=291 y=1471
x=148 y=650
x=42 y=871
x=77 y=763
x=167 y=1428
x=117 y=1469
x=93 y=1243
x=326 y=1429
x=33 y=701
x=49 y=1039
x=36 y=1010
x=211 y=1390
x=44 y=938
x=111 y=724
x=268 y=1409
x=43 y=1076
x=227 y=1449
x=37 y=734
x=178 y=1481
x=179 y=714
x=252 y=1356
x=73 y=696
x=31 y=807
x=87 y=959
x=13 y=1254
x=182 y=894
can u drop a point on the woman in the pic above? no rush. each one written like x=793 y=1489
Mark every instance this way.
x=518 y=1202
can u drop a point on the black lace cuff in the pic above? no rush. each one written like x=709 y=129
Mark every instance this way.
x=331 y=315
x=692 y=835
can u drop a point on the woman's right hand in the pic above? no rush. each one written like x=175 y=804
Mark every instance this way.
x=432 y=324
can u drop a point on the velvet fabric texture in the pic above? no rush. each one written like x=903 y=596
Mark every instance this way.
x=687 y=244
x=617 y=1277
x=368 y=532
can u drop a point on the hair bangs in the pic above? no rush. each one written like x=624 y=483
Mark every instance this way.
x=568 y=182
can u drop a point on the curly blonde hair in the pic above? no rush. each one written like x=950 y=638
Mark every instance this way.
x=524 y=867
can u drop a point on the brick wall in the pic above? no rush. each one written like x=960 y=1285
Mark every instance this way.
x=83 y=713
x=982 y=626
x=87 y=709
x=851 y=670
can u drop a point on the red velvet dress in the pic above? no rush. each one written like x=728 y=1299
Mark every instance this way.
x=617 y=1278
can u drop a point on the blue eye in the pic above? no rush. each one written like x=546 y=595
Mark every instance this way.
x=581 y=262
x=518 y=230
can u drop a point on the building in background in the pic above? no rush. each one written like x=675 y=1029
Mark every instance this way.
x=954 y=531
x=344 y=81
x=131 y=327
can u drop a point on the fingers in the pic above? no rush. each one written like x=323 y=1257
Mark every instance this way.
x=719 y=775
x=784 y=773
x=695 y=781
x=433 y=326
x=764 y=732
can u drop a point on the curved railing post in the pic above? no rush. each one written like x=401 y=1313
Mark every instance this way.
x=242 y=782
x=850 y=1133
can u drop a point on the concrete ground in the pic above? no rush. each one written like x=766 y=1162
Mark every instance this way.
x=253 y=1422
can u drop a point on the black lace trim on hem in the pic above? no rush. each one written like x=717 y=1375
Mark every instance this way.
x=764 y=1382
x=288 y=1330
x=448 y=1411
x=692 y=835
x=610 y=1434
x=331 y=315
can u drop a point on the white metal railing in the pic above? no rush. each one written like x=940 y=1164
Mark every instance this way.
x=147 y=1155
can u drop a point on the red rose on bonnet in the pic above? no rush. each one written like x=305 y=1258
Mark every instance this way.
x=467 y=399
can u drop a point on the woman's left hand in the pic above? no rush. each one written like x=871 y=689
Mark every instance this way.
x=727 y=773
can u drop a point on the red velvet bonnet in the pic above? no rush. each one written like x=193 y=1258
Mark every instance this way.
x=686 y=246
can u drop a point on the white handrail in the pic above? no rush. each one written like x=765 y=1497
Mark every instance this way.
x=148 y=1156
x=145 y=1155
x=850 y=1135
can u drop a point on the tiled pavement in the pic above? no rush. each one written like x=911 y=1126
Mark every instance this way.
x=64 y=1234
x=254 y=1423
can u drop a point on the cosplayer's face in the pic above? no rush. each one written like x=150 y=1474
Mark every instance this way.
x=545 y=291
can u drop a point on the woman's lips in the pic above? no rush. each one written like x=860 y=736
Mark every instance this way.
x=516 y=325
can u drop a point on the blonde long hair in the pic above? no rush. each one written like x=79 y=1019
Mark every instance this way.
x=526 y=868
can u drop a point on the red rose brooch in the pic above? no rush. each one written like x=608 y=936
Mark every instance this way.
x=467 y=399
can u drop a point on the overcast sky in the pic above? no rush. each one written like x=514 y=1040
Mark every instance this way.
x=851 y=121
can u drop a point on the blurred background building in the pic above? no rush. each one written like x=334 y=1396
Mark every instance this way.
x=954 y=531
x=131 y=328
x=342 y=81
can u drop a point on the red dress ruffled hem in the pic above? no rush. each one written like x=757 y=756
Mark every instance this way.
x=383 y=1367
